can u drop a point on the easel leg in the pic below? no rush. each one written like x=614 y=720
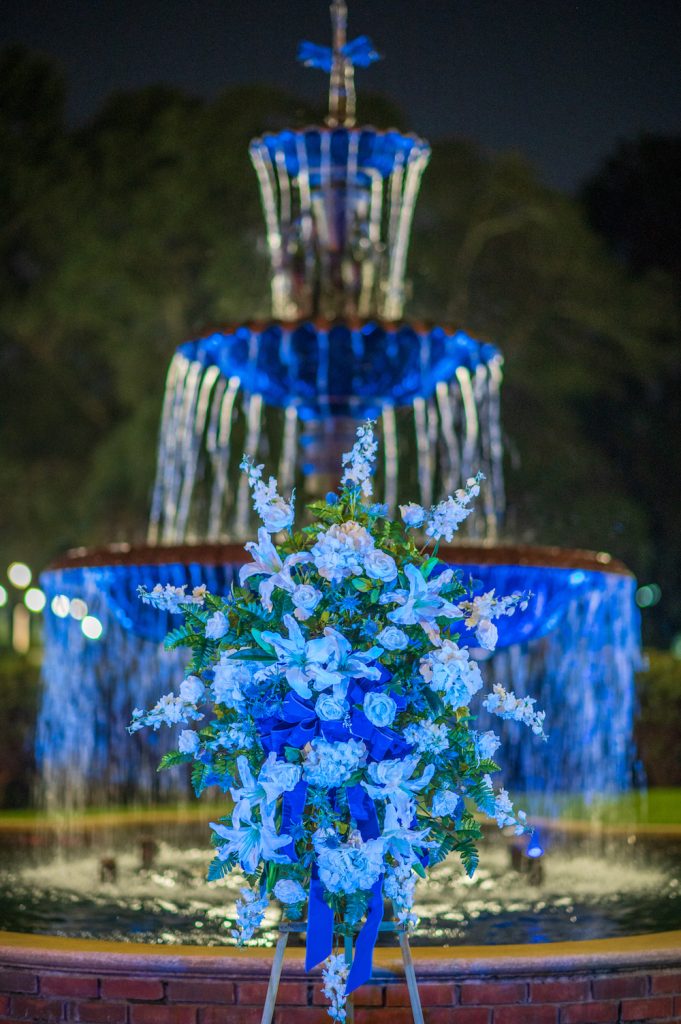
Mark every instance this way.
x=410 y=975
x=275 y=975
x=349 y=1004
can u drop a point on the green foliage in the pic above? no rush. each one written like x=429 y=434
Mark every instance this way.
x=173 y=758
x=659 y=722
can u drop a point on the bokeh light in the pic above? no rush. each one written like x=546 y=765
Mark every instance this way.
x=19 y=575
x=3 y=597
x=35 y=599
x=648 y=595
x=60 y=605
x=92 y=627
x=77 y=609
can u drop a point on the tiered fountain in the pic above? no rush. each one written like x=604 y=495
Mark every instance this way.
x=338 y=203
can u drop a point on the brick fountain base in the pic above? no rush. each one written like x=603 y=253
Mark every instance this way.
x=636 y=979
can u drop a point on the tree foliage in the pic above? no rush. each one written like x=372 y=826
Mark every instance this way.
x=123 y=238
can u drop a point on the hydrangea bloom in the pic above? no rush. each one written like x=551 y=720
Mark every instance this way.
x=341 y=699
x=330 y=764
x=171 y=599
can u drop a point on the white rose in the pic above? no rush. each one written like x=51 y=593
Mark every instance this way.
x=328 y=709
x=413 y=515
x=380 y=709
x=278 y=515
x=487 y=634
x=445 y=803
x=217 y=626
x=379 y=565
x=191 y=689
x=188 y=742
x=392 y=638
x=305 y=598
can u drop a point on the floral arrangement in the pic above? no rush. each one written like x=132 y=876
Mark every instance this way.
x=333 y=694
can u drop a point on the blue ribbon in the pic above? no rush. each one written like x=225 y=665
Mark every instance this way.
x=319 y=943
x=362 y=963
x=293 y=805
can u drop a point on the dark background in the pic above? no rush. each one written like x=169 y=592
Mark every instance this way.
x=549 y=220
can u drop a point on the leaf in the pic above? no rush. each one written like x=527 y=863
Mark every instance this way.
x=257 y=636
x=292 y=754
x=198 y=776
x=172 y=758
x=428 y=566
x=217 y=869
x=362 y=584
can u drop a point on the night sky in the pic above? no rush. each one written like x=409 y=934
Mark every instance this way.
x=561 y=80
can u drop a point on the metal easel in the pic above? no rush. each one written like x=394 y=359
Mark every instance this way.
x=388 y=926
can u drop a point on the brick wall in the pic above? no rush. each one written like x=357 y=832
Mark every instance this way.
x=157 y=990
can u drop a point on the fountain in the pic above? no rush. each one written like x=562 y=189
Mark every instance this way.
x=338 y=203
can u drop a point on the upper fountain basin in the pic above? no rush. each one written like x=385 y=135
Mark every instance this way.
x=349 y=369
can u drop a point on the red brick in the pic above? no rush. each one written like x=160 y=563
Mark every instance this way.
x=254 y=993
x=525 y=1015
x=155 y=1013
x=669 y=982
x=368 y=995
x=28 y=1008
x=301 y=1015
x=18 y=981
x=100 y=1012
x=397 y=995
x=68 y=985
x=230 y=1015
x=376 y=1015
x=482 y=993
x=455 y=1015
x=561 y=991
x=620 y=986
x=4 y=1004
x=197 y=991
x=589 y=1013
x=437 y=994
x=659 y=1008
x=132 y=988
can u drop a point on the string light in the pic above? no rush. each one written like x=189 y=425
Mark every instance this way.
x=19 y=575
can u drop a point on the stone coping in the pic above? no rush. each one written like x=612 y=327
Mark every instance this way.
x=657 y=949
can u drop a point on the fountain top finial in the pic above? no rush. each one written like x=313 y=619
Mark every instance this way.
x=339 y=61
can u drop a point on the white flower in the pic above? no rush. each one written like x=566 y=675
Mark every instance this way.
x=480 y=612
x=413 y=515
x=335 y=975
x=267 y=562
x=444 y=519
x=192 y=689
x=305 y=598
x=275 y=777
x=427 y=736
x=392 y=638
x=329 y=765
x=399 y=886
x=171 y=599
x=505 y=814
x=169 y=710
x=347 y=866
x=422 y=603
x=328 y=709
x=188 y=742
x=392 y=779
x=252 y=841
x=237 y=736
x=250 y=911
x=486 y=744
x=217 y=626
x=340 y=551
x=445 y=803
x=359 y=463
x=230 y=680
x=450 y=671
x=505 y=704
x=290 y=892
x=275 y=513
x=380 y=709
x=399 y=838
x=379 y=565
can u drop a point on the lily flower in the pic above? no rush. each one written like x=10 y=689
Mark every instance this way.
x=421 y=604
x=273 y=779
x=252 y=841
x=267 y=562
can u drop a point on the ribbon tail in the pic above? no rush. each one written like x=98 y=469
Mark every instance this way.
x=362 y=964
x=319 y=944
